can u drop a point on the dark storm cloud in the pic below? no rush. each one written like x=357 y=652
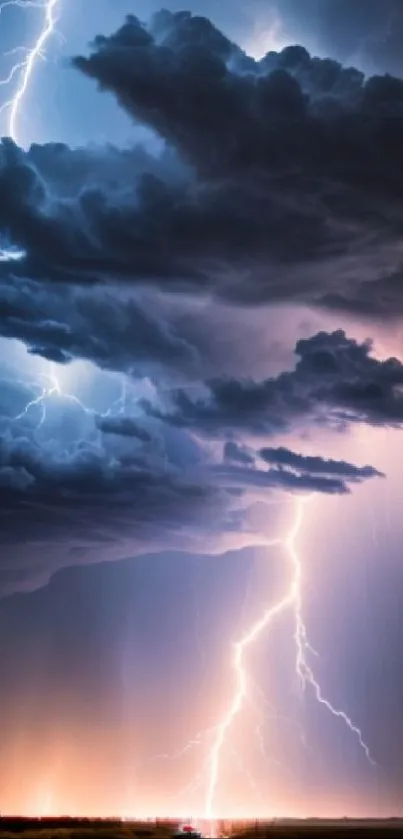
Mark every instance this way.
x=298 y=158
x=283 y=480
x=274 y=176
x=198 y=91
x=73 y=170
x=284 y=458
x=95 y=500
x=101 y=482
x=123 y=427
x=365 y=31
x=335 y=380
x=62 y=323
x=291 y=189
x=239 y=454
x=290 y=472
x=88 y=472
x=83 y=487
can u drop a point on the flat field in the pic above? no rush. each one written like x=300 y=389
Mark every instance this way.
x=316 y=829
x=54 y=828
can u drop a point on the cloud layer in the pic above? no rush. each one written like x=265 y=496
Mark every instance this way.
x=83 y=485
x=279 y=181
x=336 y=381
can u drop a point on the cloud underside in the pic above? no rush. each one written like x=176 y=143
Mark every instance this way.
x=126 y=484
x=280 y=181
x=120 y=494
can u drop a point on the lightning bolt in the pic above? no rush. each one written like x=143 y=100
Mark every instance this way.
x=291 y=600
x=53 y=388
x=26 y=66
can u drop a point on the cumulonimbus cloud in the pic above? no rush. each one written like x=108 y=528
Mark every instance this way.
x=336 y=381
x=281 y=179
x=147 y=480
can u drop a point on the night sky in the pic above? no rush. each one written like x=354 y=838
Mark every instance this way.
x=201 y=306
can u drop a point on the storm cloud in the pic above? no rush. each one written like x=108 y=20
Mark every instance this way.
x=123 y=427
x=336 y=381
x=114 y=332
x=138 y=478
x=94 y=500
x=367 y=31
x=286 y=459
x=281 y=179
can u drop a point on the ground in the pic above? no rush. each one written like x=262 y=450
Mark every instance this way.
x=100 y=829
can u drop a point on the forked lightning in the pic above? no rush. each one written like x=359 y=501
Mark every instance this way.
x=53 y=389
x=291 y=600
x=26 y=66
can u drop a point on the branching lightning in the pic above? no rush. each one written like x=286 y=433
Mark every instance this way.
x=291 y=600
x=243 y=692
x=26 y=66
x=53 y=388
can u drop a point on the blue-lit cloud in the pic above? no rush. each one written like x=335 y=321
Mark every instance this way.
x=304 y=217
x=112 y=246
x=112 y=480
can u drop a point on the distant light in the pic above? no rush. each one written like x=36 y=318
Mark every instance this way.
x=12 y=254
x=268 y=36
